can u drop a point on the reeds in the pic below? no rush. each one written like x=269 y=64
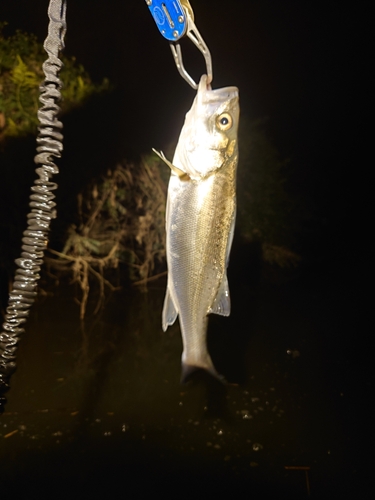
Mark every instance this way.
x=121 y=221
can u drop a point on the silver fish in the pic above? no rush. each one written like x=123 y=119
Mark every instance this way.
x=200 y=219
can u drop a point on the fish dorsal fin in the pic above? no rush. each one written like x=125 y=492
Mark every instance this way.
x=221 y=304
x=180 y=173
x=170 y=313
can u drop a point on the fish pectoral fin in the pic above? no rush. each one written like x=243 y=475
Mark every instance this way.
x=170 y=312
x=221 y=304
x=180 y=173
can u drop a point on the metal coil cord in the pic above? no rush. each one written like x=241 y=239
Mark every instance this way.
x=35 y=237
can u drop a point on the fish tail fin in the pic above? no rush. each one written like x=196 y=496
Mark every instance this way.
x=187 y=370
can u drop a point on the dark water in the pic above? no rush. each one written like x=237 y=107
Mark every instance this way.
x=97 y=410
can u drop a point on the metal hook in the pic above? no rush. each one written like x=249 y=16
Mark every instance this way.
x=175 y=19
x=194 y=35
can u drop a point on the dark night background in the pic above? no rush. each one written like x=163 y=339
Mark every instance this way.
x=296 y=63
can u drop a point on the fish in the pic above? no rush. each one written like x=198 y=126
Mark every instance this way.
x=200 y=220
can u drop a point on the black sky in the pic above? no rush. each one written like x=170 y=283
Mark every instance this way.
x=292 y=61
x=288 y=58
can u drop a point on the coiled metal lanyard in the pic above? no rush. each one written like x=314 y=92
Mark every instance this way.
x=175 y=19
x=35 y=237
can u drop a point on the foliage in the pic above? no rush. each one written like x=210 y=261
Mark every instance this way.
x=21 y=60
x=265 y=210
x=122 y=217
x=121 y=221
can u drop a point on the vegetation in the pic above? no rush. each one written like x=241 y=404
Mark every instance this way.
x=266 y=213
x=21 y=59
x=121 y=215
x=121 y=221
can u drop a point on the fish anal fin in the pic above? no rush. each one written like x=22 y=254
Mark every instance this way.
x=180 y=173
x=170 y=312
x=221 y=304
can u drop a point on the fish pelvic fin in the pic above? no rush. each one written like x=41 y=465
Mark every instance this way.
x=180 y=173
x=170 y=312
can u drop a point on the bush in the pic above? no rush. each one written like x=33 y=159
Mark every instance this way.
x=266 y=212
x=21 y=59
x=122 y=218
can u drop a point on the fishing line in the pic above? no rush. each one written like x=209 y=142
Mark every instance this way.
x=35 y=237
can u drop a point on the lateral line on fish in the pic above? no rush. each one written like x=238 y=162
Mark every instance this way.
x=180 y=173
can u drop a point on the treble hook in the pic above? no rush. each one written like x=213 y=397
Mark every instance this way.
x=175 y=19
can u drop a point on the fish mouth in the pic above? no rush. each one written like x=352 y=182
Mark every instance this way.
x=208 y=95
x=226 y=92
x=220 y=95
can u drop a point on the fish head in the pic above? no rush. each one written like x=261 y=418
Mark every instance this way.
x=209 y=135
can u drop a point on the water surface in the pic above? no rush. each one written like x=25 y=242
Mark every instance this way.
x=98 y=406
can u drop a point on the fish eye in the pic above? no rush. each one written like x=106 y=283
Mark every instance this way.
x=224 y=121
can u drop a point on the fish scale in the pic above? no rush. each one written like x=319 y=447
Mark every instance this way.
x=200 y=218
